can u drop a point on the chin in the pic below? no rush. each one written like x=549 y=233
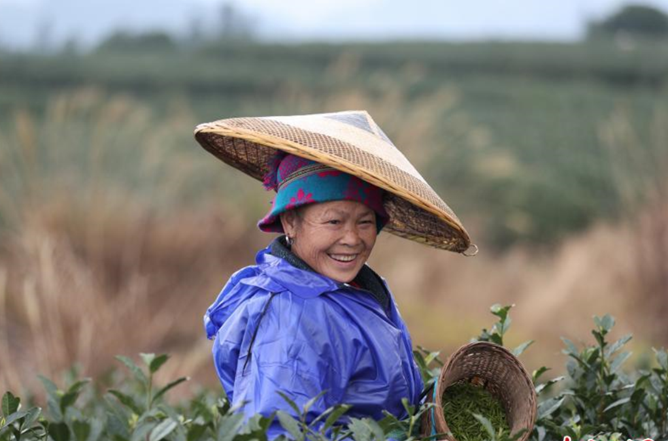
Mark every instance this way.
x=338 y=273
x=343 y=278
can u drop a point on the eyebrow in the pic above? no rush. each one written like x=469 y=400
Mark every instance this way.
x=344 y=213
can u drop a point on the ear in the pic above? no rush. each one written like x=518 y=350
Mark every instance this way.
x=289 y=221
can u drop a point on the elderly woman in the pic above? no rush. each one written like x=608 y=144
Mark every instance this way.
x=311 y=316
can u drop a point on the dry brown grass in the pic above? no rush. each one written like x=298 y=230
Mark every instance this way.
x=639 y=162
x=106 y=245
x=141 y=287
x=116 y=237
x=145 y=284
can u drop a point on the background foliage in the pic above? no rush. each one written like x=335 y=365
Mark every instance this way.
x=117 y=230
x=597 y=400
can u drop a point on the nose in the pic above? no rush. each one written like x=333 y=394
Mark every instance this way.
x=351 y=236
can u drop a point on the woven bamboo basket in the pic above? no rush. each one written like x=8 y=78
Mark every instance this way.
x=502 y=375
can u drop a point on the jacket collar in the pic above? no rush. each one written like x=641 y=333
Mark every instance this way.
x=279 y=247
x=301 y=282
x=292 y=273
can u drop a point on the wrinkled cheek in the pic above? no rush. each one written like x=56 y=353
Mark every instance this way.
x=311 y=256
x=326 y=262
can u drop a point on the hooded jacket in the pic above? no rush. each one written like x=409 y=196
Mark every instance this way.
x=281 y=328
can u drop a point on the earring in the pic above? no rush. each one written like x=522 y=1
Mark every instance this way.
x=288 y=239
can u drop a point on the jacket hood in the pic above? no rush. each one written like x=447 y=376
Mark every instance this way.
x=270 y=274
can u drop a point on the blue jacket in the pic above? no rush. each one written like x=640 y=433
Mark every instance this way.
x=308 y=333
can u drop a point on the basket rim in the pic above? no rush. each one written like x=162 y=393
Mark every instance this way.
x=461 y=351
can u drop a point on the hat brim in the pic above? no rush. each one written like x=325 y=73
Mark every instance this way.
x=416 y=211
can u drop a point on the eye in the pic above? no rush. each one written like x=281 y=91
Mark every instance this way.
x=334 y=222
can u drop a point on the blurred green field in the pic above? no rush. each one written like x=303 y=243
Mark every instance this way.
x=516 y=130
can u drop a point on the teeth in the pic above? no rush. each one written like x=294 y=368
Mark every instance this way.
x=343 y=258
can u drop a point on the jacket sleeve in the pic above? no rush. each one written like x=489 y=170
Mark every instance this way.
x=274 y=344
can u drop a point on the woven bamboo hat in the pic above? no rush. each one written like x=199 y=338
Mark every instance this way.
x=349 y=141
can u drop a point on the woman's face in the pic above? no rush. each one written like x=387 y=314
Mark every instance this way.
x=334 y=238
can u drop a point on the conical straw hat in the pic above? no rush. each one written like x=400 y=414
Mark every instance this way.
x=353 y=143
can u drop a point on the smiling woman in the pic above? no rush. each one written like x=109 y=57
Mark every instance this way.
x=330 y=217
x=334 y=238
x=311 y=317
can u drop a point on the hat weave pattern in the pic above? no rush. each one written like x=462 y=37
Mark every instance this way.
x=416 y=211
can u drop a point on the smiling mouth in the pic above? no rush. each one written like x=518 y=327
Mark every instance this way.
x=343 y=257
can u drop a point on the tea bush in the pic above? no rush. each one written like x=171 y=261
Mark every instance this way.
x=596 y=400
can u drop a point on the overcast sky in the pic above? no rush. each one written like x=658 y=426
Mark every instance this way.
x=91 y=20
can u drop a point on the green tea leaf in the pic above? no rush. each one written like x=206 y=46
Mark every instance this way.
x=335 y=415
x=195 y=431
x=608 y=322
x=605 y=323
x=617 y=345
x=600 y=339
x=143 y=428
x=34 y=431
x=81 y=430
x=433 y=356
x=506 y=325
x=361 y=431
x=117 y=426
x=619 y=360
x=147 y=358
x=136 y=371
x=59 y=431
x=67 y=400
x=461 y=400
x=313 y=400
x=547 y=407
x=592 y=355
x=661 y=358
x=538 y=372
x=521 y=348
x=571 y=349
x=290 y=403
x=265 y=422
x=486 y=424
x=53 y=408
x=229 y=427
x=420 y=361
x=127 y=401
x=410 y=409
x=15 y=431
x=290 y=424
x=158 y=362
x=496 y=338
x=162 y=430
x=169 y=386
x=500 y=311
x=10 y=403
x=366 y=429
x=50 y=387
x=617 y=403
x=96 y=428
x=33 y=414
x=76 y=387
x=11 y=419
x=547 y=384
x=223 y=406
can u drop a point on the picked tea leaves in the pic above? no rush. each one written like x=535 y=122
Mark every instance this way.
x=461 y=400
